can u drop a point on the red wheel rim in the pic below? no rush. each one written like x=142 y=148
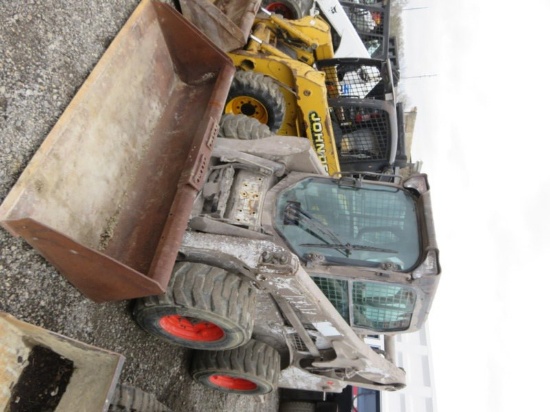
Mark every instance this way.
x=282 y=9
x=191 y=329
x=229 y=382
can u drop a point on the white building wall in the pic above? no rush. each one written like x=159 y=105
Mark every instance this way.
x=413 y=355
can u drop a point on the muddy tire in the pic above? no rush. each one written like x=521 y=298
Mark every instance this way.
x=289 y=9
x=255 y=95
x=252 y=369
x=294 y=406
x=130 y=399
x=203 y=308
x=239 y=126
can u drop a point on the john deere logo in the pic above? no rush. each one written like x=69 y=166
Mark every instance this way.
x=316 y=127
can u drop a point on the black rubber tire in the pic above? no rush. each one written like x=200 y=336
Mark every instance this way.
x=206 y=293
x=296 y=406
x=256 y=362
x=298 y=8
x=263 y=89
x=129 y=399
x=239 y=126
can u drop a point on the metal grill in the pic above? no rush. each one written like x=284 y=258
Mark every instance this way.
x=370 y=21
x=382 y=307
x=361 y=133
x=337 y=292
x=298 y=343
x=361 y=80
x=379 y=219
x=375 y=218
x=376 y=306
x=361 y=126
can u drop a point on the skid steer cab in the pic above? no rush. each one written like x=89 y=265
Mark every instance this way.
x=364 y=114
x=284 y=269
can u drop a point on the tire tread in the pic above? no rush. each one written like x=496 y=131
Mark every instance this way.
x=195 y=286
x=131 y=399
x=263 y=87
x=252 y=359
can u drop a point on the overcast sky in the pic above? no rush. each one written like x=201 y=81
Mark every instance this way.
x=482 y=133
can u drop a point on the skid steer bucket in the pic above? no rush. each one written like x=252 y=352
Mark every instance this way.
x=227 y=22
x=107 y=197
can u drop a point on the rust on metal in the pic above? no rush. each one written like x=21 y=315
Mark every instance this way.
x=107 y=197
x=227 y=22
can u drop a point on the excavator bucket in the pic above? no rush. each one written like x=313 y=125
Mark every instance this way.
x=107 y=196
x=227 y=22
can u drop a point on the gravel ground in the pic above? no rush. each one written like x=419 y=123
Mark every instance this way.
x=48 y=49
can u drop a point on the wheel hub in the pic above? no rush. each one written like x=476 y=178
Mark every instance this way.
x=248 y=106
x=191 y=329
x=229 y=382
x=282 y=9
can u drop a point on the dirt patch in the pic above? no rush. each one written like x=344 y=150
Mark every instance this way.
x=108 y=230
x=42 y=383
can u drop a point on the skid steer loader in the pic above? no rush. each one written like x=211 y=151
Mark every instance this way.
x=360 y=79
x=276 y=85
x=359 y=70
x=275 y=82
x=245 y=250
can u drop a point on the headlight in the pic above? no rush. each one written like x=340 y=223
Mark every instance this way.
x=430 y=266
x=418 y=183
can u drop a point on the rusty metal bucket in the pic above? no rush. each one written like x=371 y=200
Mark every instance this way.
x=107 y=196
x=227 y=22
